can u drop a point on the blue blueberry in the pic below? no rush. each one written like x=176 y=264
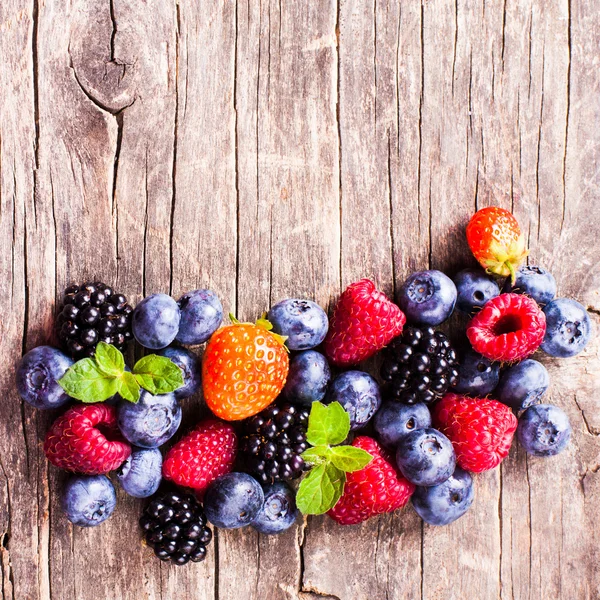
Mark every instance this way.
x=141 y=474
x=523 y=384
x=88 y=501
x=37 y=376
x=189 y=364
x=444 y=503
x=155 y=321
x=304 y=322
x=233 y=500
x=427 y=297
x=544 y=430
x=535 y=282
x=279 y=512
x=151 y=421
x=358 y=393
x=308 y=377
x=568 y=328
x=425 y=457
x=474 y=288
x=395 y=419
x=201 y=315
x=477 y=375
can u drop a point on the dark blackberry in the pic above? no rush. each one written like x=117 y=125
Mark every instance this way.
x=174 y=526
x=93 y=313
x=419 y=365
x=272 y=442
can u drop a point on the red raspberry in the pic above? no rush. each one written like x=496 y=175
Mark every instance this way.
x=86 y=439
x=378 y=488
x=481 y=430
x=508 y=328
x=363 y=322
x=200 y=457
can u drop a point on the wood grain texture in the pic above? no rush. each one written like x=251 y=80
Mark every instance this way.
x=276 y=148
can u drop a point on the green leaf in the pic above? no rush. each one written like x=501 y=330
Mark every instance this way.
x=316 y=455
x=349 y=458
x=129 y=388
x=327 y=424
x=86 y=382
x=109 y=359
x=158 y=374
x=320 y=490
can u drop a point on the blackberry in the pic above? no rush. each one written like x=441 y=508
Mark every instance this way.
x=419 y=365
x=272 y=442
x=174 y=525
x=92 y=313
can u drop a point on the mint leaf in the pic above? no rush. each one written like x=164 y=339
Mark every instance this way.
x=327 y=424
x=320 y=490
x=349 y=458
x=86 y=382
x=158 y=374
x=129 y=388
x=109 y=359
x=316 y=455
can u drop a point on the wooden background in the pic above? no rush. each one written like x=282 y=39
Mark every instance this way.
x=268 y=148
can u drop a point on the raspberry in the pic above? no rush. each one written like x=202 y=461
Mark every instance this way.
x=363 y=322
x=200 y=457
x=376 y=489
x=508 y=328
x=86 y=439
x=481 y=430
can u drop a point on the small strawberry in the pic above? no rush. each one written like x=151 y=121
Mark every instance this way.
x=75 y=442
x=200 y=457
x=376 y=489
x=244 y=369
x=481 y=430
x=363 y=322
x=494 y=236
x=508 y=328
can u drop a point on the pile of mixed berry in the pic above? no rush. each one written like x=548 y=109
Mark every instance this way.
x=295 y=426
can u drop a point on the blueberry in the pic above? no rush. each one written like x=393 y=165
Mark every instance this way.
x=303 y=322
x=278 y=512
x=358 y=393
x=151 y=421
x=427 y=297
x=141 y=473
x=425 y=457
x=474 y=288
x=394 y=420
x=308 y=377
x=568 y=328
x=88 y=501
x=535 y=282
x=444 y=503
x=477 y=375
x=189 y=364
x=544 y=430
x=523 y=384
x=233 y=500
x=37 y=376
x=201 y=315
x=156 y=321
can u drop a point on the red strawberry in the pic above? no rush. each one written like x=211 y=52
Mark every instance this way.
x=363 y=322
x=376 y=489
x=76 y=443
x=509 y=327
x=481 y=430
x=200 y=457
x=496 y=241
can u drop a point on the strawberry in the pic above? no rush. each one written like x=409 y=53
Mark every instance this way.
x=244 y=369
x=494 y=236
x=376 y=489
x=200 y=457
x=363 y=322
x=481 y=430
